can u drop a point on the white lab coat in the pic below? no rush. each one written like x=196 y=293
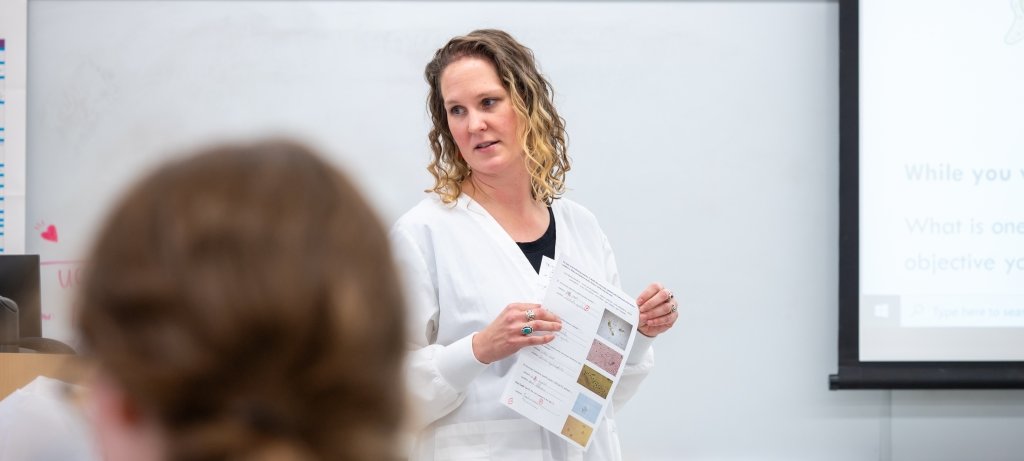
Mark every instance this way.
x=461 y=269
x=39 y=423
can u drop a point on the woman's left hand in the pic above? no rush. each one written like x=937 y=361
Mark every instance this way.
x=658 y=308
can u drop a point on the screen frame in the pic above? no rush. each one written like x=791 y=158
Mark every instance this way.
x=19 y=281
x=852 y=372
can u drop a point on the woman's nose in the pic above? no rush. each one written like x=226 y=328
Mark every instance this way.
x=477 y=122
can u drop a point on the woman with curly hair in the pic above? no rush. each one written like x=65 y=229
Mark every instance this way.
x=473 y=250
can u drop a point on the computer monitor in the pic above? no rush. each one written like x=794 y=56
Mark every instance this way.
x=19 y=281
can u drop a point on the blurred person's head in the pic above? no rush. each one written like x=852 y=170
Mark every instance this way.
x=241 y=304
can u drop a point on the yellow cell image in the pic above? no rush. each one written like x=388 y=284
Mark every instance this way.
x=578 y=432
x=594 y=381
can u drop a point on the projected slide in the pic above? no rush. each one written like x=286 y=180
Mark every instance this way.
x=941 y=180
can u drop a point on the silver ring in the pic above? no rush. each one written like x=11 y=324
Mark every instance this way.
x=675 y=307
x=530 y=315
x=527 y=329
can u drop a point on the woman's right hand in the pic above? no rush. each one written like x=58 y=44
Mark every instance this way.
x=504 y=336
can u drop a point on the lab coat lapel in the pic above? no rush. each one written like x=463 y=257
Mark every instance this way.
x=508 y=246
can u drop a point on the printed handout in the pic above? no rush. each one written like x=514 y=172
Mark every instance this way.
x=567 y=384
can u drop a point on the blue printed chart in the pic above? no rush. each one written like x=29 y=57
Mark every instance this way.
x=3 y=133
x=13 y=64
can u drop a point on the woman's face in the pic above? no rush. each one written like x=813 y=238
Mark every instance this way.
x=480 y=117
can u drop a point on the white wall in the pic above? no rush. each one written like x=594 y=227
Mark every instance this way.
x=704 y=136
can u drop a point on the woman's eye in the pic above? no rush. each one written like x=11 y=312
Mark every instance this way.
x=457 y=110
x=488 y=102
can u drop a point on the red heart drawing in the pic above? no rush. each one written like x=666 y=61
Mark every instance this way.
x=50 y=234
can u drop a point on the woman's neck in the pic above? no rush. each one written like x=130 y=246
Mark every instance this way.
x=510 y=202
x=509 y=194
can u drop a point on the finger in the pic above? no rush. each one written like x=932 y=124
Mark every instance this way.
x=537 y=340
x=665 y=320
x=646 y=318
x=670 y=306
x=524 y=306
x=647 y=293
x=530 y=315
x=515 y=313
x=660 y=310
x=649 y=330
x=654 y=330
x=524 y=341
x=541 y=325
x=516 y=310
x=658 y=315
x=543 y=314
x=657 y=299
x=651 y=290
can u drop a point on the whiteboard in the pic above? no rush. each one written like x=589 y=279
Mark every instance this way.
x=703 y=136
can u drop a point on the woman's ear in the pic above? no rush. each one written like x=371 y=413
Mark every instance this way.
x=122 y=429
x=108 y=403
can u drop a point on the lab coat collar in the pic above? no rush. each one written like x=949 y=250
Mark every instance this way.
x=505 y=241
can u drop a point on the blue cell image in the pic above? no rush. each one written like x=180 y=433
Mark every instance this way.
x=587 y=408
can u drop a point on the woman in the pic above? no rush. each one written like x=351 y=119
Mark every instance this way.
x=226 y=304
x=473 y=250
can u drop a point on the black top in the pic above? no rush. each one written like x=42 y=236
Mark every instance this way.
x=544 y=246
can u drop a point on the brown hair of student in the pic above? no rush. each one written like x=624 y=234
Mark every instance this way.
x=244 y=297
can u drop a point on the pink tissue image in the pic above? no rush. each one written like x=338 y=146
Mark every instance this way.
x=605 y=357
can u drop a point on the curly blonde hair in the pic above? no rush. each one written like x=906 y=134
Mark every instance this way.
x=541 y=129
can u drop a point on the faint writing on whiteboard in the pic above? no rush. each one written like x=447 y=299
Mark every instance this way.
x=69 y=273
